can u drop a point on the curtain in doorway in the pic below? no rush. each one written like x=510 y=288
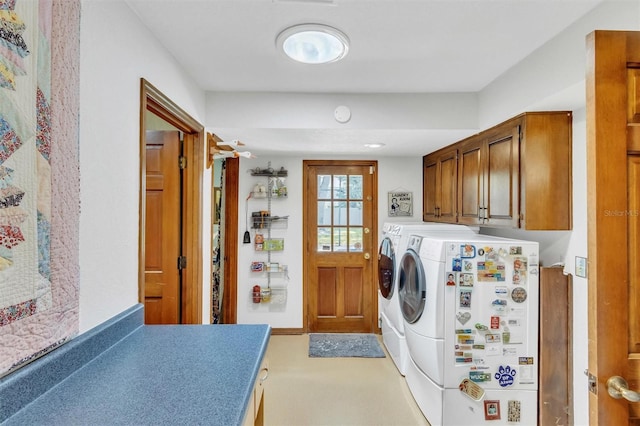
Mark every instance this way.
x=217 y=286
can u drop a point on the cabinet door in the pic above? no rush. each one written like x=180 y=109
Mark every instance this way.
x=447 y=189
x=502 y=178
x=429 y=173
x=470 y=182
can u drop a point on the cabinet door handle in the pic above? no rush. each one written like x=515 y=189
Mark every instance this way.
x=482 y=214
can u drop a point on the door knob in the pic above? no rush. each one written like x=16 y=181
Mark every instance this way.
x=367 y=256
x=619 y=388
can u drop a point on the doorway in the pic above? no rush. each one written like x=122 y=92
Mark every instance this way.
x=189 y=229
x=340 y=222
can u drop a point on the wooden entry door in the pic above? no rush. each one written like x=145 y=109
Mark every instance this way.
x=162 y=287
x=613 y=170
x=340 y=221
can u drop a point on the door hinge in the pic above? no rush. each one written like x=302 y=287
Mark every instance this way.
x=182 y=162
x=182 y=262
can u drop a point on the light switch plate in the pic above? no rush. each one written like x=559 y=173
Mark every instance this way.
x=581 y=267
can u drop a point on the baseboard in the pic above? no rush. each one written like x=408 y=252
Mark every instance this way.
x=284 y=331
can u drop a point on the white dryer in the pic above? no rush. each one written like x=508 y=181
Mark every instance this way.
x=455 y=291
x=395 y=236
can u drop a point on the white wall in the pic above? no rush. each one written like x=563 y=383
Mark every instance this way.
x=288 y=315
x=116 y=51
x=393 y=174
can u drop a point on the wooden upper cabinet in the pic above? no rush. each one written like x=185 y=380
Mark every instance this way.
x=500 y=206
x=488 y=178
x=516 y=174
x=546 y=191
x=440 y=177
x=470 y=181
x=429 y=173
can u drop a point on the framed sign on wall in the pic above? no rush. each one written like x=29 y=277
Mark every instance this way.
x=400 y=203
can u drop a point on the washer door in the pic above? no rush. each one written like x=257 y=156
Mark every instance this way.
x=386 y=268
x=411 y=286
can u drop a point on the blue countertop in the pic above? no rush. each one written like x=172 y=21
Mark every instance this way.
x=183 y=374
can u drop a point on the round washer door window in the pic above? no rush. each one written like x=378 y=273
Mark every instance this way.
x=386 y=268
x=411 y=286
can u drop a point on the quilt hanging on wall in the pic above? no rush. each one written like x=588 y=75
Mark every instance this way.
x=39 y=177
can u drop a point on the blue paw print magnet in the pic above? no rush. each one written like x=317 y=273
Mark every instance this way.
x=505 y=375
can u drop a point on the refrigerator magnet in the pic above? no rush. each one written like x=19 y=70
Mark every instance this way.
x=466 y=279
x=471 y=389
x=505 y=375
x=499 y=306
x=492 y=338
x=451 y=279
x=495 y=322
x=492 y=410
x=526 y=376
x=467 y=251
x=513 y=411
x=463 y=317
x=520 y=265
x=501 y=291
x=465 y=299
x=467 y=266
x=519 y=294
x=479 y=376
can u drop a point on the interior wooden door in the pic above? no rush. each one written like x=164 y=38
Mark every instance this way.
x=340 y=245
x=613 y=173
x=162 y=228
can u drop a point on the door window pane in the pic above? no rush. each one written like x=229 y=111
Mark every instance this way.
x=339 y=213
x=324 y=187
x=355 y=239
x=355 y=213
x=340 y=187
x=340 y=239
x=324 y=239
x=324 y=213
x=355 y=187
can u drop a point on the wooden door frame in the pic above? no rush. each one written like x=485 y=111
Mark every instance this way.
x=230 y=278
x=151 y=99
x=608 y=54
x=374 y=236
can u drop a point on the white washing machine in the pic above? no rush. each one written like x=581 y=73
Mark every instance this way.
x=469 y=305
x=395 y=236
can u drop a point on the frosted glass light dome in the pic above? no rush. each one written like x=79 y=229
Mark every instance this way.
x=313 y=43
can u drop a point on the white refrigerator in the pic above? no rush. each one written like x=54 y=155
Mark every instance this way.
x=491 y=333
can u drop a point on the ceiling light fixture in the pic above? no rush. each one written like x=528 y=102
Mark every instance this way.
x=313 y=43
x=374 y=145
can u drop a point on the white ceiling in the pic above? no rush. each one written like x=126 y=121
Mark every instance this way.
x=397 y=46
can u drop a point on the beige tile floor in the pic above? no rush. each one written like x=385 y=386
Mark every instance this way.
x=303 y=391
